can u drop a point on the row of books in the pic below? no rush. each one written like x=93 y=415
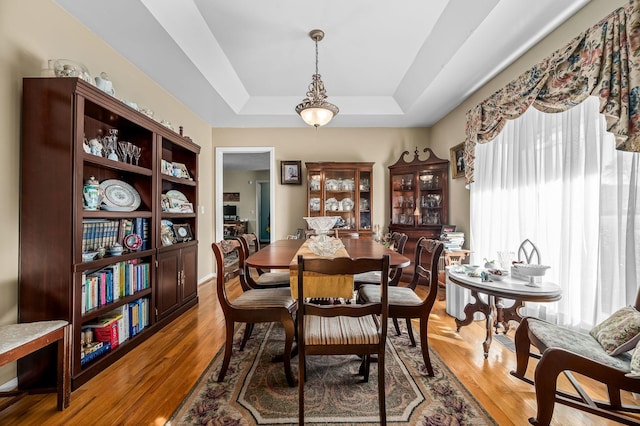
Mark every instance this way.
x=112 y=283
x=98 y=233
x=452 y=240
x=113 y=329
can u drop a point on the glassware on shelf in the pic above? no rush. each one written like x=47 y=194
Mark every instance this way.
x=137 y=152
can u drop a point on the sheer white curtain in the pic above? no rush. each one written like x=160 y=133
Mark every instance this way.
x=558 y=180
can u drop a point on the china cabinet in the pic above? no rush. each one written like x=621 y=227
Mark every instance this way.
x=342 y=189
x=97 y=267
x=419 y=199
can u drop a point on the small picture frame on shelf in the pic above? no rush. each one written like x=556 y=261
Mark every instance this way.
x=166 y=167
x=182 y=232
x=457 y=161
x=291 y=172
x=180 y=171
x=186 y=208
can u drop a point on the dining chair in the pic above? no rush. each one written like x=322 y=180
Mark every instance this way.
x=251 y=307
x=264 y=279
x=404 y=302
x=345 y=328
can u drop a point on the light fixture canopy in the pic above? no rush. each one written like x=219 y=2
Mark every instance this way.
x=314 y=109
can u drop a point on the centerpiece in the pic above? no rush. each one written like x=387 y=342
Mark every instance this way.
x=322 y=244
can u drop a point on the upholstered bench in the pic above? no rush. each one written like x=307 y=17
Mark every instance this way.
x=19 y=340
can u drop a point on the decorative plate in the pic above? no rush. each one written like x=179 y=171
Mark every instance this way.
x=132 y=241
x=120 y=194
x=177 y=195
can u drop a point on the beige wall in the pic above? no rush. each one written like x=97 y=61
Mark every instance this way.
x=244 y=182
x=33 y=31
x=380 y=145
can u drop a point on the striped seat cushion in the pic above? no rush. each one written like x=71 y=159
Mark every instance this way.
x=340 y=330
x=271 y=278
x=401 y=296
x=265 y=298
x=372 y=277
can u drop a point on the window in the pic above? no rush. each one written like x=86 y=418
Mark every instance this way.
x=558 y=180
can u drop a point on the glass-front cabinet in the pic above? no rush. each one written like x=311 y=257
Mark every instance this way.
x=419 y=200
x=342 y=189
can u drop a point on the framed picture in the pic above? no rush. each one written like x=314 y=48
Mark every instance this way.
x=182 y=232
x=230 y=196
x=290 y=172
x=180 y=170
x=448 y=228
x=457 y=161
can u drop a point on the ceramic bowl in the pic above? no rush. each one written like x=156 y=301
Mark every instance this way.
x=470 y=268
x=89 y=256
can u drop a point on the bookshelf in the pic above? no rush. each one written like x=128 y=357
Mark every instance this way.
x=98 y=269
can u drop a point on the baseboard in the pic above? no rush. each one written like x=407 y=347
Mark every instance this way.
x=10 y=385
x=206 y=278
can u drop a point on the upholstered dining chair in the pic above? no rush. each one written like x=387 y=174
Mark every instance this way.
x=263 y=279
x=345 y=328
x=603 y=356
x=403 y=300
x=251 y=307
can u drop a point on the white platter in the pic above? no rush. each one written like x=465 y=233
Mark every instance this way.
x=120 y=194
x=172 y=193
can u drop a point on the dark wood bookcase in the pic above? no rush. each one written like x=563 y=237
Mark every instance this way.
x=342 y=189
x=419 y=199
x=57 y=115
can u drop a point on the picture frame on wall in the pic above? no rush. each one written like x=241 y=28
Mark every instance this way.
x=291 y=172
x=457 y=161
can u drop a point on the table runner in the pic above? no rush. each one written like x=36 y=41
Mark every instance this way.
x=320 y=285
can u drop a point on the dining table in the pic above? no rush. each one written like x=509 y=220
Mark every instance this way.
x=281 y=254
x=494 y=308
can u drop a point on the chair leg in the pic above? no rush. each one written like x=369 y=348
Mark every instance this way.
x=410 y=331
x=301 y=378
x=248 y=329
x=397 y=326
x=228 y=346
x=545 y=378
x=523 y=347
x=288 y=325
x=382 y=403
x=424 y=342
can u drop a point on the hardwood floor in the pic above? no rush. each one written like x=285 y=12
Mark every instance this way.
x=147 y=385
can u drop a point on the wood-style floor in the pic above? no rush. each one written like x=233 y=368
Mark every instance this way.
x=148 y=384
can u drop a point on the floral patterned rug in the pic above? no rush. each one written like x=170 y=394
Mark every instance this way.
x=255 y=391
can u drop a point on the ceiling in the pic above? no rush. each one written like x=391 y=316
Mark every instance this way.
x=384 y=63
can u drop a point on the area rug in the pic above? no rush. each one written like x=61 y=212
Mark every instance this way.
x=255 y=391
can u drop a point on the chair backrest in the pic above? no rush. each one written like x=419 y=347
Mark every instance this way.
x=246 y=281
x=347 y=234
x=426 y=266
x=225 y=249
x=343 y=266
x=253 y=243
x=397 y=241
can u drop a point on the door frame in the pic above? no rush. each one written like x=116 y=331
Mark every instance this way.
x=219 y=184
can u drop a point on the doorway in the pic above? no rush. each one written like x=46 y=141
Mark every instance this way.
x=248 y=154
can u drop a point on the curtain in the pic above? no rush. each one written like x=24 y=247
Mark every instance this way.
x=603 y=61
x=579 y=206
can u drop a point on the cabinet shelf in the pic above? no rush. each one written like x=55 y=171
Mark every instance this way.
x=347 y=177
x=104 y=309
x=51 y=280
x=408 y=182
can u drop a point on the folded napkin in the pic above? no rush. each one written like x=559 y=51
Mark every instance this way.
x=320 y=285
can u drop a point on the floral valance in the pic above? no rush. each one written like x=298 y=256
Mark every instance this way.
x=603 y=61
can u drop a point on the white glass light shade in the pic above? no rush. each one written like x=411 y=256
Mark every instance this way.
x=315 y=116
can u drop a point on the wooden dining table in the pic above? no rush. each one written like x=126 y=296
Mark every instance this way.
x=280 y=254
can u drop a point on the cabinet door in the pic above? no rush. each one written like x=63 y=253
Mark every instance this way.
x=189 y=266
x=168 y=292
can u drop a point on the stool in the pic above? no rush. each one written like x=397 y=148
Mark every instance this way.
x=19 y=340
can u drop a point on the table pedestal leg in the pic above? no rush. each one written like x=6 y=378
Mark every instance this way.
x=490 y=318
